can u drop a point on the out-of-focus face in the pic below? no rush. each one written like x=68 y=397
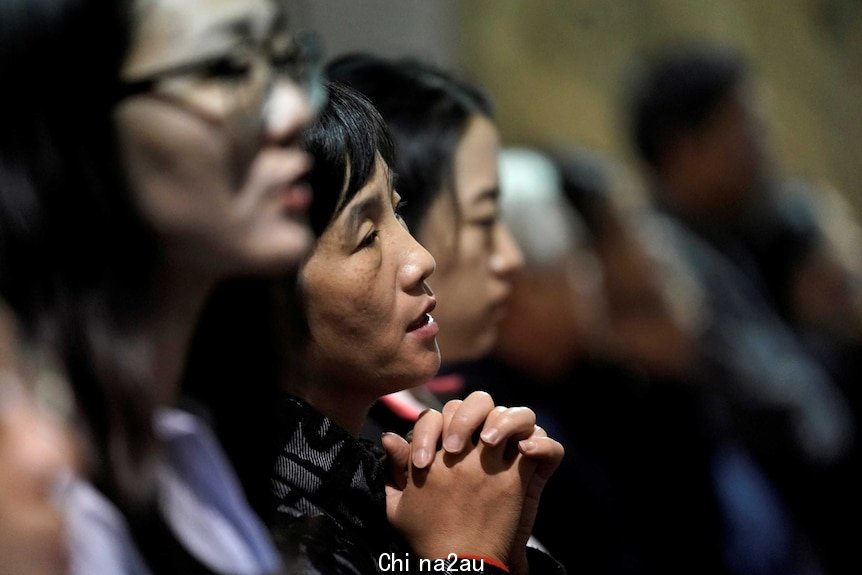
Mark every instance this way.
x=475 y=252
x=557 y=315
x=34 y=451
x=718 y=166
x=367 y=303
x=732 y=149
x=208 y=134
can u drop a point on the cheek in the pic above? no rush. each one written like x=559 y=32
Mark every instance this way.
x=461 y=299
x=355 y=306
x=172 y=160
x=465 y=269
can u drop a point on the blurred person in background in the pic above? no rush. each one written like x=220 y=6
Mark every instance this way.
x=169 y=164
x=447 y=146
x=703 y=148
x=37 y=455
x=809 y=246
x=634 y=490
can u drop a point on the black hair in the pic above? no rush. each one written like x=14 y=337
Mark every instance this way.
x=344 y=142
x=585 y=178
x=679 y=89
x=427 y=110
x=76 y=258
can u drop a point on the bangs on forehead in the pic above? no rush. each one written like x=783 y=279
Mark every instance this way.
x=344 y=142
x=428 y=111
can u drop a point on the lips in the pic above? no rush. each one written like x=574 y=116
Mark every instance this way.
x=296 y=196
x=424 y=318
x=283 y=175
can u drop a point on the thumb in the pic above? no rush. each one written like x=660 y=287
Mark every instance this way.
x=397 y=459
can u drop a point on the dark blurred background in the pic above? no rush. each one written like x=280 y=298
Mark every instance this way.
x=556 y=68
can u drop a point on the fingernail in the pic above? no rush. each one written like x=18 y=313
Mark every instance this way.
x=490 y=435
x=527 y=445
x=421 y=458
x=453 y=444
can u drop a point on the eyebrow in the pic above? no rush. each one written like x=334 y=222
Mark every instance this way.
x=238 y=26
x=247 y=26
x=358 y=212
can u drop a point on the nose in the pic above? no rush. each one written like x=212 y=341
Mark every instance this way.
x=417 y=263
x=507 y=258
x=287 y=110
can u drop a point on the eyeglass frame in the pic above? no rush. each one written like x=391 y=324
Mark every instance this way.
x=307 y=56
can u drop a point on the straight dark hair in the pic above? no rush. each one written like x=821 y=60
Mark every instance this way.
x=344 y=142
x=75 y=259
x=427 y=110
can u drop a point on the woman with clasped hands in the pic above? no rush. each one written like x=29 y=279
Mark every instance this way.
x=369 y=331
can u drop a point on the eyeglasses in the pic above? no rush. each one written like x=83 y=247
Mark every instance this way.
x=236 y=85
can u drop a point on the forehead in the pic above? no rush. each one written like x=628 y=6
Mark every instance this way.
x=379 y=186
x=476 y=163
x=167 y=32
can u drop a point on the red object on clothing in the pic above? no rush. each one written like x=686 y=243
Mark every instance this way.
x=451 y=384
x=487 y=560
x=404 y=405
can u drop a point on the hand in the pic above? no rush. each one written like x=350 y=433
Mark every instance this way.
x=501 y=427
x=471 y=502
x=462 y=419
x=548 y=454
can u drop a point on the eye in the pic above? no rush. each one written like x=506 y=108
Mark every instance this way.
x=368 y=240
x=397 y=209
x=486 y=227
x=236 y=65
x=486 y=223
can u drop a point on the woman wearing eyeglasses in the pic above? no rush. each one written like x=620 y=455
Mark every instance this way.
x=148 y=151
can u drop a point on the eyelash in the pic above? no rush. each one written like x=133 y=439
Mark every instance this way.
x=235 y=66
x=398 y=207
x=369 y=239
x=372 y=236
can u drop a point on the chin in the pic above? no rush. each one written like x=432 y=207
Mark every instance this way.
x=482 y=345
x=292 y=248
x=278 y=260
x=426 y=370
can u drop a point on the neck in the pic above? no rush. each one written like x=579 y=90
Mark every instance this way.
x=181 y=297
x=345 y=405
